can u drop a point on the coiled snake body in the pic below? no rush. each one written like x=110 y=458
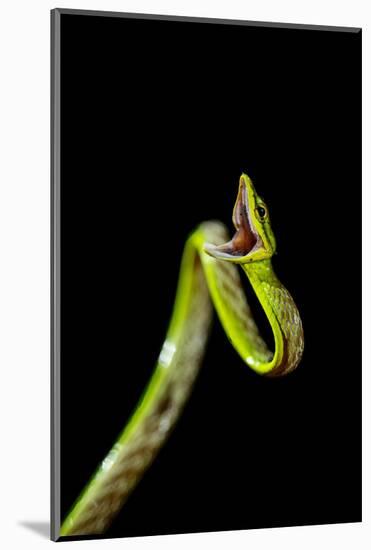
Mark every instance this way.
x=208 y=277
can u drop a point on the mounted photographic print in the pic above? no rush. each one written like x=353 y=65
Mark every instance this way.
x=206 y=275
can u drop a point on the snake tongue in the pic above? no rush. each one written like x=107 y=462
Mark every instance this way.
x=244 y=239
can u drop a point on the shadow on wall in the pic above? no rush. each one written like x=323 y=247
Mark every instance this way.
x=42 y=528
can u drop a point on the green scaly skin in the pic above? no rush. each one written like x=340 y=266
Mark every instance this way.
x=208 y=277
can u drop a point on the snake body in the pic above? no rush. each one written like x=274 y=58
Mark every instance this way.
x=209 y=277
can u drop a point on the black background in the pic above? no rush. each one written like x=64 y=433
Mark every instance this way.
x=158 y=119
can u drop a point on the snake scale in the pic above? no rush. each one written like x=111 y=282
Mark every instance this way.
x=209 y=277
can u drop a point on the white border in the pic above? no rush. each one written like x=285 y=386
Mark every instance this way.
x=25 y=260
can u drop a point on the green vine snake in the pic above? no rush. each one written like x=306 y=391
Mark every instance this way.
x=208 y=277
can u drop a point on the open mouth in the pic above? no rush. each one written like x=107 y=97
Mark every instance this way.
x=245 y=239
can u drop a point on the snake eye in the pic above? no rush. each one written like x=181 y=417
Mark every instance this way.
x=262 y=212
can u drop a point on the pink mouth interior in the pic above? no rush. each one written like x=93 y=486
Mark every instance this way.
x=244 y=239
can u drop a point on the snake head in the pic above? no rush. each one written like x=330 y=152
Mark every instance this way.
x=254 y=239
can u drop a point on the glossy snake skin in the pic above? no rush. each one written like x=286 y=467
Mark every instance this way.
x=209 y=277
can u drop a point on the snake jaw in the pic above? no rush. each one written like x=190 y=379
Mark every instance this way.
x=246 y=239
